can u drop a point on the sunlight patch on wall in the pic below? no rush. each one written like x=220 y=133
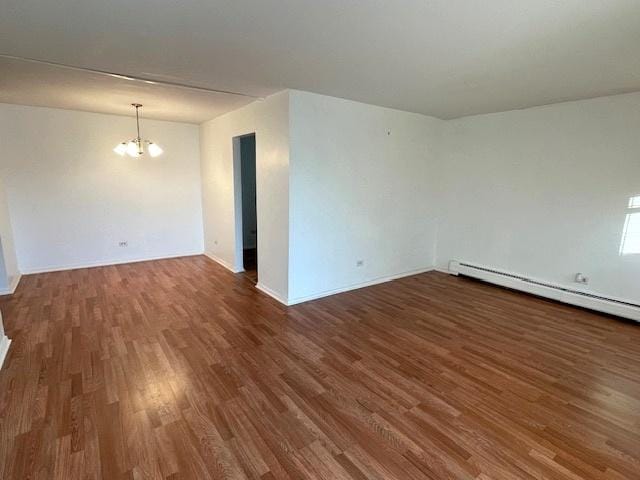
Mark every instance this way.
x=630 y=243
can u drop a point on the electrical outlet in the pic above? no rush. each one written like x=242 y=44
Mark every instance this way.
x=123 y=244
x=360 y=263
x=581 y=278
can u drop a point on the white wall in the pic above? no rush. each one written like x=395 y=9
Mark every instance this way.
x=362 y=188
x=541 y=192
x=269 y=119
x=72 y=200
x=9 y=272
x=544 y=192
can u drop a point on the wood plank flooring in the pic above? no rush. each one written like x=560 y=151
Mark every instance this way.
x=178 y=369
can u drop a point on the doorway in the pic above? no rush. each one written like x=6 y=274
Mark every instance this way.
x=247 y=234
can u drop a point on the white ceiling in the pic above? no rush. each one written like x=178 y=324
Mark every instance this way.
x=28 y=83
x=446 y=58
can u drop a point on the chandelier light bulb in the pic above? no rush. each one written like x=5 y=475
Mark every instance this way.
x=154 y=149
x=121 y=149
x=132 y=149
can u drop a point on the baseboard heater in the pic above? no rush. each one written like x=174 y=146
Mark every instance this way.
x=613 y=306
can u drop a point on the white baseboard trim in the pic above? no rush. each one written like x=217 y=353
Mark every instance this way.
x=222 y=262
x=272 y=294
x=107 y=263
x=12 y=288
x=15 y=282
x=356 y=286
x=4 y=348
x=555 y=291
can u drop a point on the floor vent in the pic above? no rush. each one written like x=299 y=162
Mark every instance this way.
x=614 y=306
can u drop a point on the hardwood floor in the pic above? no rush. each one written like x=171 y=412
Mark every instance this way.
x=178 y=369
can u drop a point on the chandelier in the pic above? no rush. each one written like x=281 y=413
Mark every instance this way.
x=138 y=147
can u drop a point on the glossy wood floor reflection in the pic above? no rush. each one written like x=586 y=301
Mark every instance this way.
x=177 y=369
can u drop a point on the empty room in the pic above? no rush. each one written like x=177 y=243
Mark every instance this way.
x=286 y=240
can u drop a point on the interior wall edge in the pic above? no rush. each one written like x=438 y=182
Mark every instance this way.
x=12 y=287
x=5 y=343
x=222 y=262
x=272 y=293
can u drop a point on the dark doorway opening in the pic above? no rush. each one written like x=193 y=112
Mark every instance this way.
x=249 y=211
